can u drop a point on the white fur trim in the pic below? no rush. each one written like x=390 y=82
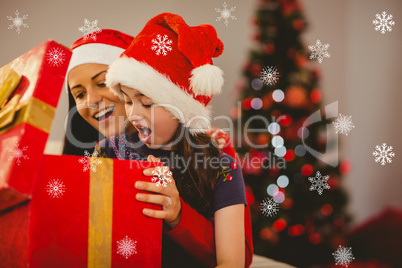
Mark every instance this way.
x=92 y=53
x=206 y=80
x=140 y=76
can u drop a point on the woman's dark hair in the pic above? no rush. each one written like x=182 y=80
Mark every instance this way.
x=194 y=183
x=81 y=130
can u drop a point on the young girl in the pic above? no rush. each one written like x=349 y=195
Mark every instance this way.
x=166 y=78
x=100 y=112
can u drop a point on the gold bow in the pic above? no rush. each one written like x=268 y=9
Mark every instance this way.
x=34 y=111
x=7 y=87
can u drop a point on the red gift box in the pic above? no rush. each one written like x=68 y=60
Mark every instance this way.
x=92 y=217
x=66 y=211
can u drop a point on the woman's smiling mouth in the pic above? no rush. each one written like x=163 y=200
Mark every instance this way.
x=104 y=113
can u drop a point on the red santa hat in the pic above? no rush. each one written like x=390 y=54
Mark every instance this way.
x=171 y=63
x=102 y=47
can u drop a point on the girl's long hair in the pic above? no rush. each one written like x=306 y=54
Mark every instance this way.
x=194 y=182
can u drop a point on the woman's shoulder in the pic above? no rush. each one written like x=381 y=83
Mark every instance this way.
x=104 y=147
x=103 y=143
x=106 y=142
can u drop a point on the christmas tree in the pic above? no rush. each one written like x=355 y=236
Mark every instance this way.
x=297 y=202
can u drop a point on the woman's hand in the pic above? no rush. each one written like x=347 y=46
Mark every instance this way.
x=167 y=197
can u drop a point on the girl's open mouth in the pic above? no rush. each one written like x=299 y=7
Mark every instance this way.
x=145 y=134
x=104 y=113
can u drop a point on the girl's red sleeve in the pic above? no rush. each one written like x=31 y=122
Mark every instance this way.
x=195 y=234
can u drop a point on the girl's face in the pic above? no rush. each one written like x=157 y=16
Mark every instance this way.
x=95 y=102
x=156 y=126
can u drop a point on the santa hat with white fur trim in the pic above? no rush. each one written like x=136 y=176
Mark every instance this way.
x=103 y=47
x=171 y=63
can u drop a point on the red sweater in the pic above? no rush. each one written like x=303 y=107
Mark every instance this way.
x=195 y=234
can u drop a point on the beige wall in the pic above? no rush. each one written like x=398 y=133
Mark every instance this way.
x=362 y=73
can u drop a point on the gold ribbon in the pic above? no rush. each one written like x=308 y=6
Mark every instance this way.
x=33 y=111
x=9 y=80
x=100 y=215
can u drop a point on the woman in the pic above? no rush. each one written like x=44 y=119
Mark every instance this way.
x=100 y=113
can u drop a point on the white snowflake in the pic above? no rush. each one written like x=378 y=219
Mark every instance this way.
x=269 y=75
x=161 y=44
x=55 y=188
x=18 y=22
x=343 y=124
x=17 y=153
x=225 y=13
x=163 y=176
x=90 y=29
x=319 y=51
x=90 y=161
x=383 y=154
x=127 y=247
x=319 y=183
x=55 y=57
x=343 y=256
x=269 y=207
x=383 y=23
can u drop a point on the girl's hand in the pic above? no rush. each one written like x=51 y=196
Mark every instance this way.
x=167 y=197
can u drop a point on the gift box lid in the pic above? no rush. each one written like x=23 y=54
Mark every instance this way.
x=30 y=88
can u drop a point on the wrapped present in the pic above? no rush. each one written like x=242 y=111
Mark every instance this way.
x=83 y=213
x=91 y=217
x=60 y=210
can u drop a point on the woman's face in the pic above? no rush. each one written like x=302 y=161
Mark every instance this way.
x=156 y=126
x=95 y=102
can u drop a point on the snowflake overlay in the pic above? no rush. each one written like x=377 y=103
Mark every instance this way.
x=17 y=153
x=18 y=22
x=269 y=207
x=162 y=176
x=127 y=247
x=319 y=183
x=90 y=161
x=383 y=23
x=269 y=75
x=319 y=51
x=55 y=188
x=225 y=13
x=55 y=57
x=90 y=29
x=161 y=44
x=343 y=124
x=343 y=256
x=383 y=154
